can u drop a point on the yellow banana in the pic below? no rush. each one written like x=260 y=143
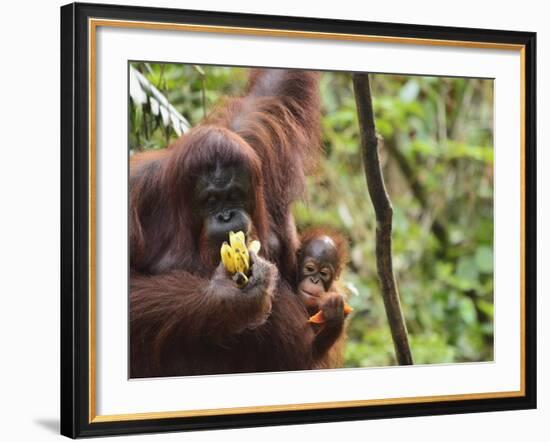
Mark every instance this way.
x=246 y=259
x=240 y=263
x=228 y=257
x=236 y=258
x=233 y=237
x=237 y=241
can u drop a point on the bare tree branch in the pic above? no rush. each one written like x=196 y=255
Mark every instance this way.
x=438 y=229
x=384 y=214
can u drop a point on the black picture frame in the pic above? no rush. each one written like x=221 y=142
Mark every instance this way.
x=75 y=219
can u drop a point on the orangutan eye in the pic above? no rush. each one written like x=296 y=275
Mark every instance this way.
x=310 y=268
x=325 y=274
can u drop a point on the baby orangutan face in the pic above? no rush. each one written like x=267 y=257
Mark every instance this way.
x=318 y=268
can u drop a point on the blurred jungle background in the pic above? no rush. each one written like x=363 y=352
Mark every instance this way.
x=437 y=158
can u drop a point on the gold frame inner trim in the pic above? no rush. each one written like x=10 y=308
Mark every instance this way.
x=260 y=32
x=92 y=27
x=299 y=407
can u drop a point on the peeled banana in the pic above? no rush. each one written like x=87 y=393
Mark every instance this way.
x=236 y=257
x=254 y=246
x=228 y=257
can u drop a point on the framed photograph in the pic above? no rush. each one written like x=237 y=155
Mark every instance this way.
x=279 y=220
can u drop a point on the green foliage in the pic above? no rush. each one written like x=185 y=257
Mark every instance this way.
x=437 y=158
x=441 y=128
x=192 y=90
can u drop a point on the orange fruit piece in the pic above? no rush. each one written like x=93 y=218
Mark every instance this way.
x=319 y=317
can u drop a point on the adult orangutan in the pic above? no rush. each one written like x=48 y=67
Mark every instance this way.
x=240 y=170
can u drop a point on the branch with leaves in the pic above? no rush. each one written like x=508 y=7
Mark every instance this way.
x=143 y=92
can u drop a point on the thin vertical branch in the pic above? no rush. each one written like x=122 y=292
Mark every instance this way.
x=437 y=227
x=384 y=214
x=202 y=75
x=203 y=86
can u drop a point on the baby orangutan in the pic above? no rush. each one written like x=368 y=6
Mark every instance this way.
x=320 y=259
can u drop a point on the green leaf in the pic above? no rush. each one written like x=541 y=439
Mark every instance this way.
x=467 y=311
x=484 y=259
x=467 y=272
x=485 y=307
x=409 y=92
